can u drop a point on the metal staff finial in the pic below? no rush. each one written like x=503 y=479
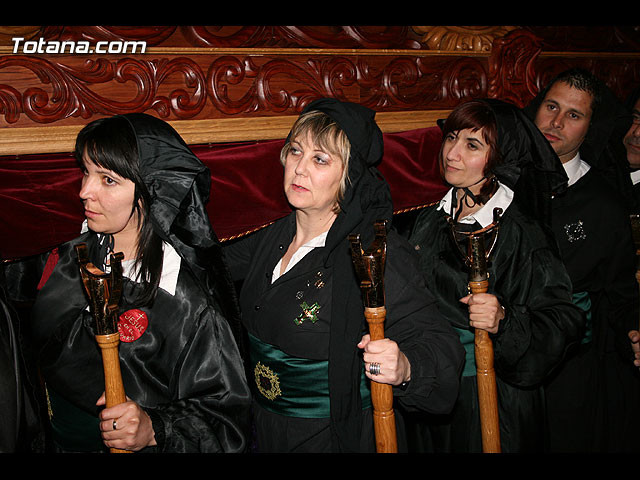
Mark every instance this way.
x=479 y=246
x=370 y=265
x=103 y=289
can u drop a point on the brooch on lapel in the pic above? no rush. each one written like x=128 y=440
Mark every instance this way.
x=575 y=231
x=308 y=313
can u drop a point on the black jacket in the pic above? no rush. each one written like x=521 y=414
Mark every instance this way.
x=412 y=318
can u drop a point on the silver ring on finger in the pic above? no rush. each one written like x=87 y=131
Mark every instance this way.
x=114 y=424
x=374 y=368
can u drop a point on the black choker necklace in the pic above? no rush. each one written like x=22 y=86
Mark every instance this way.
x=469 y=199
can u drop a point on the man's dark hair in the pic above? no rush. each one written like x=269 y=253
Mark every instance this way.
x=584 y=80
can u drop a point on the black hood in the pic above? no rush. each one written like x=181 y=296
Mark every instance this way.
x=179 y=184
x=177 y=181
x=529 y=166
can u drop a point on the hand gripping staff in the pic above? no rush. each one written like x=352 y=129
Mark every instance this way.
x=104 y=292
x=369 y=267
x=479 y=247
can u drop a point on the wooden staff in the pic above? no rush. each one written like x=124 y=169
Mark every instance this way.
x=369 y=268
x=476 y=258
x=104 y=292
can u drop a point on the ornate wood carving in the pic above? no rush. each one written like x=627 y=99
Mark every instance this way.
x=57 y=90
x=223 y=83
x=511 y=67
x=471 y=38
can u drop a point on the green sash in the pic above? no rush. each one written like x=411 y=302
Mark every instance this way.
x=293 y=386
x=467 y=338
x=582 y=300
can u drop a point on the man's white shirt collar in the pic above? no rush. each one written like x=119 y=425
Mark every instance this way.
x=575 y=169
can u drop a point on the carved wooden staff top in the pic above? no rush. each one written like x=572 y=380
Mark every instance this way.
x=103 y=289
x=480 y=245
x=369 y=267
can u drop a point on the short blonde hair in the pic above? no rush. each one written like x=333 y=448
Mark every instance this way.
x=327 y=135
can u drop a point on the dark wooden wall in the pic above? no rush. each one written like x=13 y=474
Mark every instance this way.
x=235 y=83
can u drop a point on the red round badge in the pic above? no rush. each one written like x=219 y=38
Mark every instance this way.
x=132 y=325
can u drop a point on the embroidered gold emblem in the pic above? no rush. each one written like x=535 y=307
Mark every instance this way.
x=308 y=313
x=575 y=231
x=267 y=381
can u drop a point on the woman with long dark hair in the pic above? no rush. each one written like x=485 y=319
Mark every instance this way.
x=144 y=194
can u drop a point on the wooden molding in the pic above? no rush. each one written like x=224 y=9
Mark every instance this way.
x=59 y=139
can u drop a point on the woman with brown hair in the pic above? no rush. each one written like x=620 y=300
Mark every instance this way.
x=493 y=157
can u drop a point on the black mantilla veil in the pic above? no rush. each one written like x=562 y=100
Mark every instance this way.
x=602 y=148
x=178 y=186
x=367 y=199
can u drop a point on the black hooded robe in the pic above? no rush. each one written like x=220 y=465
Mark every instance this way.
x=184 y=369
x=531 y=284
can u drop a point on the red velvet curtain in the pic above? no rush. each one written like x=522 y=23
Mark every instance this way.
x=40 y=208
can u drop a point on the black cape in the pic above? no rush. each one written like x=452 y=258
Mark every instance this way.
x=540 y=325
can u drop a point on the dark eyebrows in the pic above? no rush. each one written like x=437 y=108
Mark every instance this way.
x=572 y=110
x=472 y=137
x=475 y=139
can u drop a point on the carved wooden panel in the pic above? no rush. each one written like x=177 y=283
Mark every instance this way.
x=227 y=83
x=59 y=89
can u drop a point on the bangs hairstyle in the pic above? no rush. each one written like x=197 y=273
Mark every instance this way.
x=475 y=115
x=110 y=143
x=326 y=136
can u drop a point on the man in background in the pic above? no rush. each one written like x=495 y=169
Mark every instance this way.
x=589 y=399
